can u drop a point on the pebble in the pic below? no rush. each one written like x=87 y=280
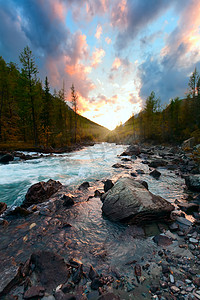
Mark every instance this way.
x=171 y=277
x=193 y=241
x=174 y=289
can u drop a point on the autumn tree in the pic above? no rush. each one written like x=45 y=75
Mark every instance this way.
x=29 y=73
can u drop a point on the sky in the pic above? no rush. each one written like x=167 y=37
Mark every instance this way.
x=115 y=52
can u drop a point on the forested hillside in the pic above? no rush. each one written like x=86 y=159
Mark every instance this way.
x=31 y=116
x=176 y=122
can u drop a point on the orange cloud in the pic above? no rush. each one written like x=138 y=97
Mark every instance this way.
x=116 y=64
x=58 y=9
x=98 y=32
x=108 y=40
x=97 y=56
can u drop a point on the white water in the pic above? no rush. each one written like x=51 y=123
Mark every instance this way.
x=71 y=169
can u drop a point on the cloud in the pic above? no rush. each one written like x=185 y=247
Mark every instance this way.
x=131 y=17
x=108 y=40
x=116 y=64
x=98 y=32
x=167 y=74
x=97 y=57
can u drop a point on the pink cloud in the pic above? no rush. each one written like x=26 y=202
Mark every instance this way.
x=97 y=57
x=116 y=64
x=108 y=40
x=98 y=32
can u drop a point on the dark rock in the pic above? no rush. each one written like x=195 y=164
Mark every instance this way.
x=162 y=240
x=133 y=174
x=108 y=185
x=68 y=287
x=50 y=269
x=133 y=150
x=76 y=278
x=93 y=273
x=117 y=166
x=183 y=221
x=10 y=276
x=144 y=183
x=96 y=283
x=158 y=163
x=3 y=207
x=139 y=171
x=138 y=270
x=68 y=200
x=193 y=182
x=109 y=296
x=84 y=186
x=41 y=192
x=189 y=207
x=97 y=194
x=196 y=281
x=156 y=174
x=6 y=158
x=19 y=212
x=173 y=227
x=154 y=288
x=165 y=269
x=34 y=291
x=59 y=295
x=125 y=159
x=129 y=201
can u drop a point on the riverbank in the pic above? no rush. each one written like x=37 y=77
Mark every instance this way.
x=152 y=261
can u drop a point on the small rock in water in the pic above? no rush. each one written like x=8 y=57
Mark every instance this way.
x=84 y=186
x=174 y=289
x=193 y=241
x=34 y=291
x=156 y=174
x=68 y=200
x=108 y=185
x=162 y=240
x=93 y=273
x=96 y=283
x=171 y=277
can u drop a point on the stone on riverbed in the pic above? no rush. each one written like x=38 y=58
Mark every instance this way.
x=40 y=192
x=193 y=182
x=3 y=207
x=129 y=201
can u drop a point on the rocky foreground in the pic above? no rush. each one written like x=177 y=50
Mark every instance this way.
x=42 y=257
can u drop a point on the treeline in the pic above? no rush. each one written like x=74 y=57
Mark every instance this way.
x=31 y=116
x=178 y=121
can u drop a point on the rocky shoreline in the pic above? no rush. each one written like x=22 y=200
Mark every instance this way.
x=41 y=260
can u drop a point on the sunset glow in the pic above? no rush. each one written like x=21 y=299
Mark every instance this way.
x=114 y=52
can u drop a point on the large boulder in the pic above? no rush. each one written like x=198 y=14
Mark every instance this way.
x=6 y=158
x=132 y=150
x=193 y=182
x=41 y=192
x=129 y=201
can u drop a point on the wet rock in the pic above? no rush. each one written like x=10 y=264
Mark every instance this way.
x=139 y=171
x=162 y=240
x=34 y=291
x=189 y=207
x=174 y=289
x=97 y=194
x=59 y=295
x=117 y=166
x=133 y=174
x=41 y=192
x=144 y=183
x=132 y=150
x=109 y=296
x=93 y=273
x=196 y=281
x=68 y=200
x=108 y=185
x=74 y=263
x=193 y=182
x=173 y=227
x=50 y=269
x=154 y=288
x=84 y=186
x=158 y=163
x=3 y=207
x=183 y=221
x=129 y=201
x=156 y=174
x=10 y=276
x=96 y=283
x=125 y=159
x=76 y=278
x=19 y=212
x=6 y=158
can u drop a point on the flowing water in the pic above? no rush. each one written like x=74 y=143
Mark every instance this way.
x=92 y=238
